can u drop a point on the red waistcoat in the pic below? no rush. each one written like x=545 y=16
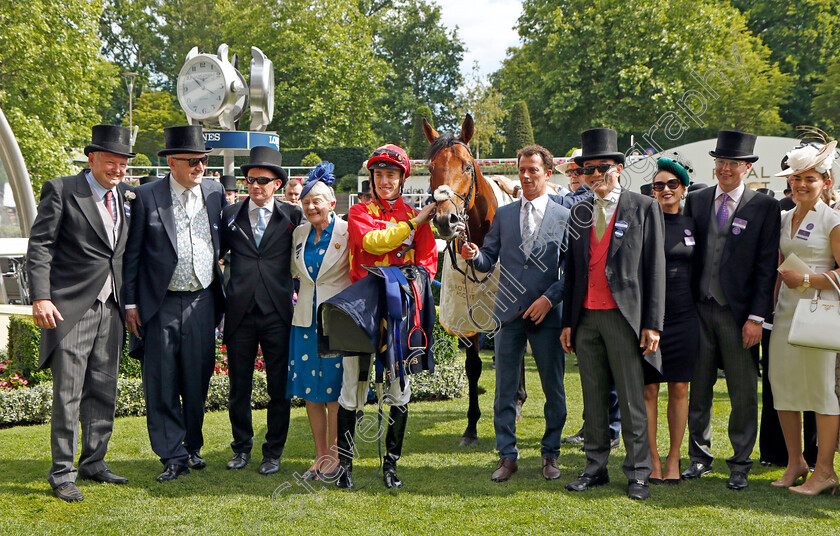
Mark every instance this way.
x=598 y=295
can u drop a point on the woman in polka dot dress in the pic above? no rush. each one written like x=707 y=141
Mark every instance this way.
x=321 y=261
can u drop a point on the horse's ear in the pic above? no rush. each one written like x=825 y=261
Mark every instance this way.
x=429 y=130
x=467 y=129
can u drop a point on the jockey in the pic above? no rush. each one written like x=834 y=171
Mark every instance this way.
x=383 y=232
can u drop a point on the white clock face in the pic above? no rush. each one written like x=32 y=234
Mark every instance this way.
x=201 y=88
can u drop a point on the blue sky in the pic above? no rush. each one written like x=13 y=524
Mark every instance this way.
x=486 y=26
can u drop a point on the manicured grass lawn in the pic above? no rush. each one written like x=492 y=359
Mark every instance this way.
x=448 y=488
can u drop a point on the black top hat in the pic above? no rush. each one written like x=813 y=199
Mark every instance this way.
x=697 y=186
x=597 y=143
x=268 y=158
x=110 y=139
x=229 y=182
x=734 y=145
x=365 y=188
x=151 y=177
x=646 y=189
x=185 y=139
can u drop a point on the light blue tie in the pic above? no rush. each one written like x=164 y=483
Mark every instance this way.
x=259 y=229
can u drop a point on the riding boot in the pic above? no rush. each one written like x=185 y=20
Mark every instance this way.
x=393 y=445
x=344 y=444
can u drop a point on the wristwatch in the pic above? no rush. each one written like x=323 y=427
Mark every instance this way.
x=807 y=282
x=516 y=191
x=757 y=322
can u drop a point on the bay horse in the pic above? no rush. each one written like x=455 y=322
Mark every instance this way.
x=467 y=212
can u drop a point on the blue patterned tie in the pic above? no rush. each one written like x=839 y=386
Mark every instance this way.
x=723 y=211
x=259 y=229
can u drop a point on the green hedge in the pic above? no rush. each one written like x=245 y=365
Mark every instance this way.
x=24 y=339
x=347 y=160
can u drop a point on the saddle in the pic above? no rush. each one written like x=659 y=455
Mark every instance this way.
x=391 y=315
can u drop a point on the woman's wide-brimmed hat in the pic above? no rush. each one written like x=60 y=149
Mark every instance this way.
x=735 y=145
x=570 y=162
x=110 y=139
x=598 y=143
x=268 y=158
x=184 y=139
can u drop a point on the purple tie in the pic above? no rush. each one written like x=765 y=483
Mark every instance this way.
x=723 y=212
x=109 y=204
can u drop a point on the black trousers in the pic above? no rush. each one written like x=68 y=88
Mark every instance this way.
x=180 y=344
x=271 y=333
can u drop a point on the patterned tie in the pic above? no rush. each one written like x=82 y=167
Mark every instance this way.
x=530 y=227
x=259 y=229
x=723 y=211
x=185 y=201
x=601 y=221
x=109 y=204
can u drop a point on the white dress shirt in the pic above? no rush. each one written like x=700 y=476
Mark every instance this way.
x=195 y=196
x=540 y=205
x=254 y=213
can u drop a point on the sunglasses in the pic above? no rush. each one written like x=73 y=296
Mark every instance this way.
x=573 y=172
x=192 y=162
x=672 y=184
x=601 y=168
x=259 y=180
x=389 y=152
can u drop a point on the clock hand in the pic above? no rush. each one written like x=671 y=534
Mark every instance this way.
x=200 y=84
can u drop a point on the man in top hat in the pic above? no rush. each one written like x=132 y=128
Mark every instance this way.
x=174 y=296
x=364 y=193
x=736 y=254
x=613 y=308
x=74 y=260
x=151 y=177
x=229 y=184
x=257 y=232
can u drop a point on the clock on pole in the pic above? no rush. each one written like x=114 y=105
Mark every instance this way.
x=212 y=92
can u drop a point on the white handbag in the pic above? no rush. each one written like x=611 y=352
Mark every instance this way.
x=816 y=322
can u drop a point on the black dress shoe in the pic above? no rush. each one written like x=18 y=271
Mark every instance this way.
x=195 y=461
x=172 y=472
x=68 y=492
x=106 y=477
x=584 y=481
x=696 y=470
x=391 y=479
x=239 y=460
x=269 y=466
x=638 y=490
x=737 y=481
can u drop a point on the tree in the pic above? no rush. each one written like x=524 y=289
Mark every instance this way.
x=625 y=65
x=52 y=80
x=826 y=105
x=419 y=143
x=519 y=132
x=154 y=111
x=422 y=60
x=326 y=73
x=802 y=37
x=310 y=160
x=484 y=103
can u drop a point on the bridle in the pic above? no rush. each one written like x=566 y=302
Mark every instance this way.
x=464 y=236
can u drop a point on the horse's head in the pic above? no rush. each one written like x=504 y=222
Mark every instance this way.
x=453 y=177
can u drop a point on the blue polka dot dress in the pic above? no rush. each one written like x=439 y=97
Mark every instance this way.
x=311 y=377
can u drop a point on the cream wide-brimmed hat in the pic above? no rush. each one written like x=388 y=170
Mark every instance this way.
x=570 y=162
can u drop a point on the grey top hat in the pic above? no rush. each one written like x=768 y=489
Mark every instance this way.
x=229 y=182
x=735 y=145
x=597 y=143
x=110 y=139
x=268 y=158
x=184 y=139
